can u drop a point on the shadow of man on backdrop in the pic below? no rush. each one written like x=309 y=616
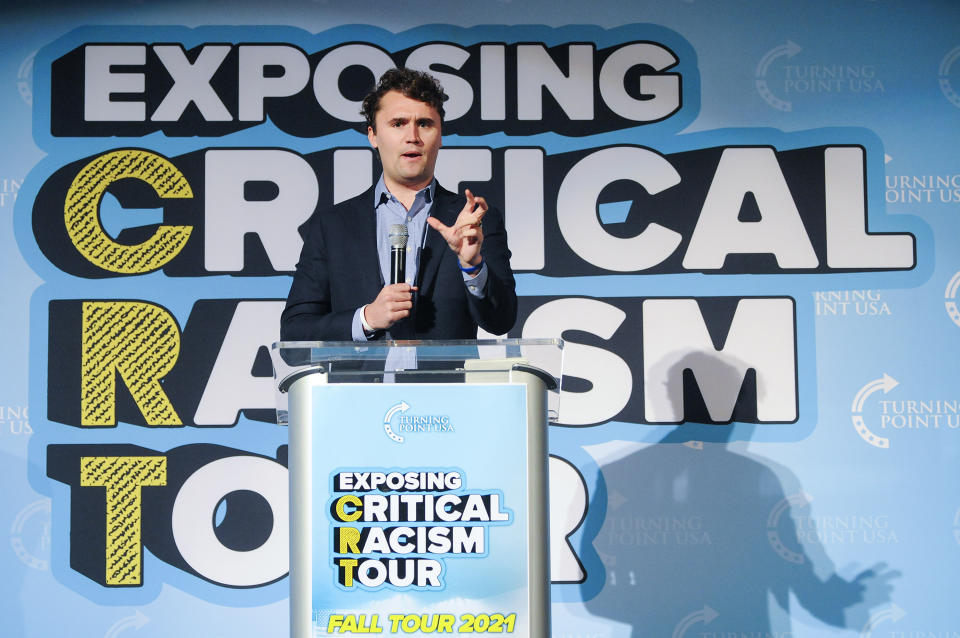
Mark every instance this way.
x=700 y=540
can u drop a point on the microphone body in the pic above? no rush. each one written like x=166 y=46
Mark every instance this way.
x=398 y=253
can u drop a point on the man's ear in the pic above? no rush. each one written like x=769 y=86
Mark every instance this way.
x=372 y=136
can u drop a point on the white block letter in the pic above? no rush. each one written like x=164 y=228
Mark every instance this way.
x=193 y=514
x=577 y=208
x=191 y=83
x=761 y=337
x=568 y=507
x=609 y=374
x=536 y=70
x=229 y=216
x=326 y=77
x=848 y=244
x=665 y=88
x=719 y=232
x=459 y=90
x=523 y=207
x=230 y=386
x=255 y=85
x=99 y=83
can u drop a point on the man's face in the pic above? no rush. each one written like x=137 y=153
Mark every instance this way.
x=408 y=138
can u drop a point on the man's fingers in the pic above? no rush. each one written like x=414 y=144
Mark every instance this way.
x=481 y=204
x=467 y=220
x=474 y=203
x=394 y=302
x=395 y=315
x=437 y=225
x=397 y=292
x=467 y=229
x=403 y=299
x=400 y=298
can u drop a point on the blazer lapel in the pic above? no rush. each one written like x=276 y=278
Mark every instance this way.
x=434 y=246
x=362 y=223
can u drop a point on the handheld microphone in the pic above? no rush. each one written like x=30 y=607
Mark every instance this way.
x=398 y=253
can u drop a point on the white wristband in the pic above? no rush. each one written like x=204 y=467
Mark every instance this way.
x=363 y=320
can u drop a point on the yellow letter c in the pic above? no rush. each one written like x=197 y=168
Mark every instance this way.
x=82 y=211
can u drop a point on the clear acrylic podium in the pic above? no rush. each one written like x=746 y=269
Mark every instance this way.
x=418 y=485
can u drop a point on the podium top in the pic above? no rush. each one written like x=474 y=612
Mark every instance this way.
x=315 y=351
x=484 y=360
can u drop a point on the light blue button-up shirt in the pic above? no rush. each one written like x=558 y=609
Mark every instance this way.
x=390 y=211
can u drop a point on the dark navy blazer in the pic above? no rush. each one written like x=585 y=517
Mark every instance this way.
x=339 y=271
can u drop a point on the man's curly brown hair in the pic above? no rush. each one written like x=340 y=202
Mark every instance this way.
x=415 y=85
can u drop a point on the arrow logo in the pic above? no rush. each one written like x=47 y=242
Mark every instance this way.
x=24 y=81
x=892 y=612
x=400 y=407
x=136 y=621
x=945 y=85
x=773 y=520
x=705 y=615
x=41 y=507
x=790 y=49
x=885 y=383
x=950 y=295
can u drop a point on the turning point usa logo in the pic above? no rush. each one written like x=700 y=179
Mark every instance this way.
x=165 y=251
x=397 y=423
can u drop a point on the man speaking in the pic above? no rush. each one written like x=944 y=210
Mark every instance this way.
x=455 y=267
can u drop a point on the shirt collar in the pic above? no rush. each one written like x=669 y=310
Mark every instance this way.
x=381 y=195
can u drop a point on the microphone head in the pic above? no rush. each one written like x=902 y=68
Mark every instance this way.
x=398 y=235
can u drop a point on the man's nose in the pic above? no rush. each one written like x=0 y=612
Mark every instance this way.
x=413 y=133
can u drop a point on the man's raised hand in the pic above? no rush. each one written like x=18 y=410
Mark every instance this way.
x=465 y=237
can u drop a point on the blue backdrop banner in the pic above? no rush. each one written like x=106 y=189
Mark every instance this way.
x=741 y=217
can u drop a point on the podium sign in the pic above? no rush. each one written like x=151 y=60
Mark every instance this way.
x=419 y=507
x=423 y=521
